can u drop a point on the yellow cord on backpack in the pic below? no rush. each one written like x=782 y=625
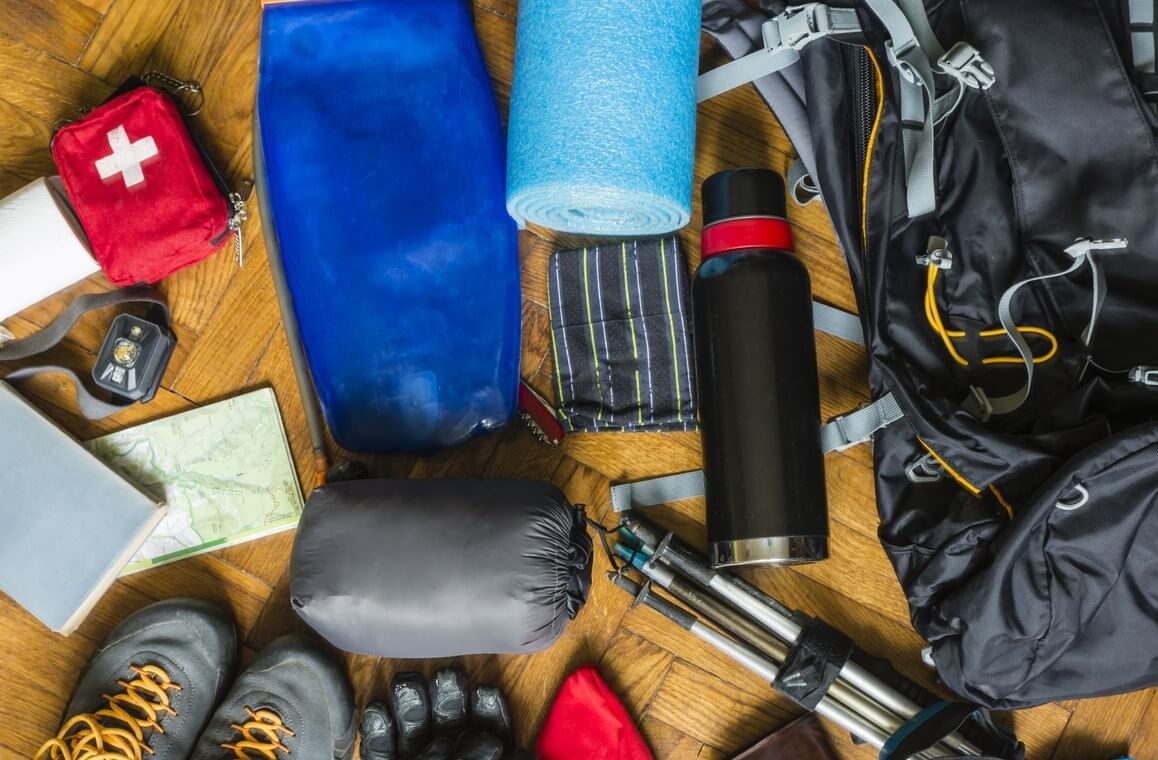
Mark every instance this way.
x=933 y=315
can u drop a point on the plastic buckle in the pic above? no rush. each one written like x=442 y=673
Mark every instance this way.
x=984 y=409
x=1147 y=376
x=797 y=26
x=937 y=254
x=964 y=63
x=1084 y=246
x=925 y=469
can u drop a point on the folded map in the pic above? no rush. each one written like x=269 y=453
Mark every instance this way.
x=225 y=470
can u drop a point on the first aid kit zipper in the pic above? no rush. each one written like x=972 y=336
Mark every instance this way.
x=240 y=215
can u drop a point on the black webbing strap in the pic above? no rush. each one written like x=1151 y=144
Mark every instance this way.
x=814 y=662
x=90 y=406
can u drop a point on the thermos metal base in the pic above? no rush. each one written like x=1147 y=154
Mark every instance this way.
x=776 y=550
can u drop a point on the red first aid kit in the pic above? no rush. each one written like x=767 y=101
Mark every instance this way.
x=147 y=199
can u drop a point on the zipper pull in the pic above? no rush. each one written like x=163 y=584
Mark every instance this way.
x=239 y=202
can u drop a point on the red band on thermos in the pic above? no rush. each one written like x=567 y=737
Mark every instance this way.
x=746 y=233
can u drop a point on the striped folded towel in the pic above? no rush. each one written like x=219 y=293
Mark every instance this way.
x=621 y=343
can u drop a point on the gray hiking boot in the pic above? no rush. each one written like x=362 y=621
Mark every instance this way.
x=294 y=702
x=150 y=688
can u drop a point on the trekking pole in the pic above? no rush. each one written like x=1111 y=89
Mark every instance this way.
x=771 y=614
x=754 y=661
x=743 y=629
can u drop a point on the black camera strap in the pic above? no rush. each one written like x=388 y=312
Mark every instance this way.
x=90 y=406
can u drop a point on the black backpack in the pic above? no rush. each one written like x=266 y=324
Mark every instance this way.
x=991 y=169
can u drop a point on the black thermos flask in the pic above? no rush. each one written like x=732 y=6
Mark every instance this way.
x=759 y=398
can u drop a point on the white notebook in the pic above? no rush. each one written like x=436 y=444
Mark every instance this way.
x=69 y=523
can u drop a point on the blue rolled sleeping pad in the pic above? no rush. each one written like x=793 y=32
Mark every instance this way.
x=384 y=165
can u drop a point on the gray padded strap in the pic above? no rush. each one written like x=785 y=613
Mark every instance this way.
x=784 y=37
x=90 y=406
x=842 y=433
x=37 y=343
x=918 y=17
x=917 y=92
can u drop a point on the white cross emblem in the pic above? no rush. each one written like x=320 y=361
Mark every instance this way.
x=127 y=157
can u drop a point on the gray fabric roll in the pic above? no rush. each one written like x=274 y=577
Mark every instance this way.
x=440 y=568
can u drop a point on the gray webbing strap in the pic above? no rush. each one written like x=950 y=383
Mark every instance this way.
x=1142 y=33
x=857 y=427
x=837 y=322
x=661 y=490
x=842 y=433
x=1143 y=44
x=917 y=92
x=737 y=26
x=37 y=343
x=800 y=183
x=1082 y=252
x=784 y=37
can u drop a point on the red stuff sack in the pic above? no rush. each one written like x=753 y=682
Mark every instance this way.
x=141 y=189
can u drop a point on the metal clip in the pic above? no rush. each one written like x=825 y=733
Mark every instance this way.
x=1084 y=246
x=1147 y=376
x=925 y=469
x=797 y=26
x=937 y=254
x=240 y=215
x=964 y=63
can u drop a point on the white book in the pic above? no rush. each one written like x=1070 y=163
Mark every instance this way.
x=68 y=523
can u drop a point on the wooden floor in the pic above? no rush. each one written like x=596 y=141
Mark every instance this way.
x=57 y=55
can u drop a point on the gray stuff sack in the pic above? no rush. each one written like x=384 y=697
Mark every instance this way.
x=440 y=568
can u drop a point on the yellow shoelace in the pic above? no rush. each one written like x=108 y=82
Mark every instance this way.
x=259 y=734
x=116 y=732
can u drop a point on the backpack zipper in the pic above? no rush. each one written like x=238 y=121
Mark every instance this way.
x=238 y=215
x=863 y=73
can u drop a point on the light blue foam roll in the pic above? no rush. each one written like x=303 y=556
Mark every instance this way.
x=603 y=115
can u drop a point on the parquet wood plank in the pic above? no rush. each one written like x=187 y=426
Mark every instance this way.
x=715 y=712
x=1103 y=727
x=60 y=27
x=126 y=38
x=634 y=669
x=240 y=331
x=691 y=702
x=669 y=742
x=45 y=86
x=100 y=6
x=1144 y=743
x=23 y=146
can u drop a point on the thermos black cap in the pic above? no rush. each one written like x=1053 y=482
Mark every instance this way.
x=743 y=192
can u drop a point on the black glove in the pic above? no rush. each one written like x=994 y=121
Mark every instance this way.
x=446 y=721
